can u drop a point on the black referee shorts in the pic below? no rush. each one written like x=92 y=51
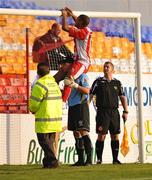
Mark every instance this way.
x=78 y=117
x=108 y=119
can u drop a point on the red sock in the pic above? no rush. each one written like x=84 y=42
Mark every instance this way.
x=66 y=93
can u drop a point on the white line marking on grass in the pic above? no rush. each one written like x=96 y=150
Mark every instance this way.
x=146 y=178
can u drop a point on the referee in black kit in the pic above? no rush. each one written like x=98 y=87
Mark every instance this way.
x=108 y=90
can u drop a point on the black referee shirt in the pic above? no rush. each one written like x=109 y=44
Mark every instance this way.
x=107 y=92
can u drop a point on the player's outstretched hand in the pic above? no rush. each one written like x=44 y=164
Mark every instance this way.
x=69 y=11
x=64 y=12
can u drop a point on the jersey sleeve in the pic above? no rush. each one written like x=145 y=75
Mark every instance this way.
x=36 y=98
x=36 y=45
x=85 y=81
x=93 y=88
x=78 y=33
x=121 y=91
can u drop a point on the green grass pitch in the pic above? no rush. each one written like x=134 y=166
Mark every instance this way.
x=66 y=172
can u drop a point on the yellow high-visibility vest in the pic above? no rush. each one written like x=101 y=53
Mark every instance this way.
x=46 y=104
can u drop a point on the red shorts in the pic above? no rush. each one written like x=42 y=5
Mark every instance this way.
x=77 y=69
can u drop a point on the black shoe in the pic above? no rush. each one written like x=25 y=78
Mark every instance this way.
x=45 y=162
x=117 y=162
x=99 y=162
x=78 y=163
x=53 y=164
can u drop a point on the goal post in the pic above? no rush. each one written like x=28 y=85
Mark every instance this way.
x=137 y=32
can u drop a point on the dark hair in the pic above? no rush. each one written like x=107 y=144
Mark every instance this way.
x=85 y=19
x=108 y=62
x=43 y=69
x=67 y=59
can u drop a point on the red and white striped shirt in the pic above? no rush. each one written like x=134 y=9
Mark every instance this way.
x=82 y=39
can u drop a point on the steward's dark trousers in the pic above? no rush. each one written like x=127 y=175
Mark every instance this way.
x=46 y=141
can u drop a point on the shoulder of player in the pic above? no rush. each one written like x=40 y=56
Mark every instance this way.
x=83 y=77
x=116 y=81
x=100 y=78
x=84 y=29
x=88 y=29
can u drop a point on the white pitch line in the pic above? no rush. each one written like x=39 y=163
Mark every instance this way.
x=146 y=178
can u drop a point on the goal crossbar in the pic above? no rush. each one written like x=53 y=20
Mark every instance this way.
x=27 y=12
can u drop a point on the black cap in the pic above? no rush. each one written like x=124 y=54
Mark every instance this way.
x=67 y=59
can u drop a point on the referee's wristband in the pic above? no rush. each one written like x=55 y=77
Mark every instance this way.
x=125 y=112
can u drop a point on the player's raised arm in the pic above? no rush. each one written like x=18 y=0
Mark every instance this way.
x=70 y=13
x=65 y=25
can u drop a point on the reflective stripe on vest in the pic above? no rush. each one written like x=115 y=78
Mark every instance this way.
x=36 y=99
x=41 y=85
x=52 y=98
x=46 y=98
x=46 y=89
x=48 y=119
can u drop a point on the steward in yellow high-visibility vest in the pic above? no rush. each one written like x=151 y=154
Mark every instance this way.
x=46 y=105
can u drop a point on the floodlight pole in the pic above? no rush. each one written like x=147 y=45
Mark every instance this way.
x=140 y=121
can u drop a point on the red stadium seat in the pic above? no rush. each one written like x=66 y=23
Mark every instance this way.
x=24 y=82
x=11 y=90
x=4 y=81
x=19 y=98
x=22 y=90
x=13 y=108
x=25 y=97
x=23 y=108
x=5 y=97
x=16 y=81
x=3 y=108
x=2 y=90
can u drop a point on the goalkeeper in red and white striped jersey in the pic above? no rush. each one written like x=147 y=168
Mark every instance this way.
x=82 y=39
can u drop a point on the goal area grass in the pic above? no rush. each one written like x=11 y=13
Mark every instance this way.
x=68 y=172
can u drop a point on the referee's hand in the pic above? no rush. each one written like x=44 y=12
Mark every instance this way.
x=124 y=116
